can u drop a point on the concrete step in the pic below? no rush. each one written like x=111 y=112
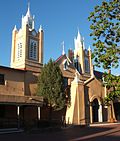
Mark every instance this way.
x=10 y=130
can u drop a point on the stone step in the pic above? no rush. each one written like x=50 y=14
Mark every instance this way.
x=10 y=130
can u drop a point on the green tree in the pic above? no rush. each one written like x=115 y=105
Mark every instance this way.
x=113 y=86
x=105 y=26
x=50 y=86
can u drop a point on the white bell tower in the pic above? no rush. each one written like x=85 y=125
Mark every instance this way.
x=27 y=45
x=79 y=53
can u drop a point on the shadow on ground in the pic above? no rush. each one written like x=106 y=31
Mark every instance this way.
x=76 y=133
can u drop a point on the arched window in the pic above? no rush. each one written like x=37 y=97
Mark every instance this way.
x=65 y=64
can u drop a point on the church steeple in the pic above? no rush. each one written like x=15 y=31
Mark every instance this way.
x=82 y=56
x=79 y=38
x=78 y=42
x=28 y=19
x=28 y=11
x=27 y=45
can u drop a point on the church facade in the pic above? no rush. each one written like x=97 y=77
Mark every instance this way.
x=85 y=87
x=19 y=103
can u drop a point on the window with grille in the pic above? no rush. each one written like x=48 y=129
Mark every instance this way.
x=33 y=50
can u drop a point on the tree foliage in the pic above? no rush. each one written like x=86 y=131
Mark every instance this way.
x=113 y=86
x=50 y=85
x=105 y=25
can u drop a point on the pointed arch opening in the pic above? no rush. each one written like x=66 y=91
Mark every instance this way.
x=95 y=108
x=96 y=114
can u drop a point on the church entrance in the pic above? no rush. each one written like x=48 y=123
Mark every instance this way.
x=95 y=107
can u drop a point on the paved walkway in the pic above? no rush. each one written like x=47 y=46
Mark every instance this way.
x=107 y=132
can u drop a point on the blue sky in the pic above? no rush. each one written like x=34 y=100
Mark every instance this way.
x=60 y=20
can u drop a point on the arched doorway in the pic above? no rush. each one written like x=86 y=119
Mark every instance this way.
x=95 y=108
x=96 y=113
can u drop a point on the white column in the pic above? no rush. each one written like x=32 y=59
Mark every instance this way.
x=18 y=116
x=100 y=118
x=38 y=113
x=18 y=111
x=91 y=114
x=78 y=107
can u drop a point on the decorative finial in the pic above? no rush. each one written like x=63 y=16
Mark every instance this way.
x=83 y=43
x=15 y=28
x=89 y=48
x=28 y=11
x=63 y=46
x=40 y=29
x=79 y=36
x=78 y=33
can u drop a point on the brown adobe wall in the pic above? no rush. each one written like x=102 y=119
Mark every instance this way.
x=14 y=82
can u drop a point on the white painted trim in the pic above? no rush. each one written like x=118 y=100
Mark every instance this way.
x=18 y=111
x=100 y=118
x=38 y=113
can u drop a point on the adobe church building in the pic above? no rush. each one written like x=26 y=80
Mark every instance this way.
x=18 y=100
x=85 y=87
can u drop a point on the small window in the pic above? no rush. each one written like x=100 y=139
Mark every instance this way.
x=87 y=66
x=65 y=66
x=76 y=64
x=2 y=80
